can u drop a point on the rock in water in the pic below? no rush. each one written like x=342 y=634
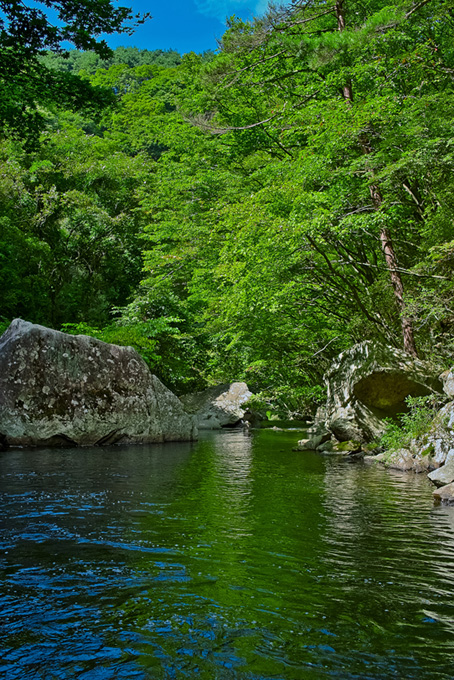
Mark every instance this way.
x=219 y=406
x=444 y=474
x=445 y=494
x=403 y=459
x=58 y=389
x=313 y=443
x=370 y=382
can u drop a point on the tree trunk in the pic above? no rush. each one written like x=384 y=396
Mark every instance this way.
x=396 y=280
x=385 y=236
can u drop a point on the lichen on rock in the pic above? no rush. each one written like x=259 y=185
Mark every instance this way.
x=218 y=406
x=59 y=389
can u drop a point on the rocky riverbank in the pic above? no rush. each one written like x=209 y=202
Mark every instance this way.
x=370 y=383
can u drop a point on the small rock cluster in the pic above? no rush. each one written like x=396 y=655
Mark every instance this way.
x=323 y=441
x=434 y=451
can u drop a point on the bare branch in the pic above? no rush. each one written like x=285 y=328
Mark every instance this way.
x=323 y=348
x=416 y=7
x=306 y=21
x=409 y=191
x=202 y=123
x=397 y=269
x=256 y=63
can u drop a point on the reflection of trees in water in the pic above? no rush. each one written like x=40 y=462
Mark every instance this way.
x=374 y=515
x=390 y=551
x=232 y=463
x=237 y=551
x=219 y=511
x=442 y=564
x=196 y=597
x=197 y=517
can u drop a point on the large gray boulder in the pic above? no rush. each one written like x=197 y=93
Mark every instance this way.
x=370 y=382
x=58 y=389
x=219 y=406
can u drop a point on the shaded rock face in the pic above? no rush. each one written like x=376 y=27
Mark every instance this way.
x=447 y=379
x=370 y=382
x=58 y=389
x=219 y=406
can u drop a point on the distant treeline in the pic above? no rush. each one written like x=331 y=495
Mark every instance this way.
x=75 y=61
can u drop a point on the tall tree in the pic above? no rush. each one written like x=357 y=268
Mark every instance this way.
x=377 y=199
x=315 y=61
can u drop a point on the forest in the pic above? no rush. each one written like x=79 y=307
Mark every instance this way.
x=241 y=214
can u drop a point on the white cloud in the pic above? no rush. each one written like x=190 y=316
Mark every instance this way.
x=220 y=9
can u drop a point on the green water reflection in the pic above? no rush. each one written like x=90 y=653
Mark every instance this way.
x=230 y=558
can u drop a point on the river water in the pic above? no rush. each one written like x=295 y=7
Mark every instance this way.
x=233 y=557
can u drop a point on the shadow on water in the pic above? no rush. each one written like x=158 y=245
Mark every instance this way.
x=230 y=558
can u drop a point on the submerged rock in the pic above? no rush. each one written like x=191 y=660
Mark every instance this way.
x=370 y=382
x=313 y=443
x=219 y=406
x=58 y=389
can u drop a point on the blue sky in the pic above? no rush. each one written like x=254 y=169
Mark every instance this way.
x=184 y=25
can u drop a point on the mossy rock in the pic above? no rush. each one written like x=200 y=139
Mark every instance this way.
x=351 y=446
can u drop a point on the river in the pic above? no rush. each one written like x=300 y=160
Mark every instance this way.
x=232 y=557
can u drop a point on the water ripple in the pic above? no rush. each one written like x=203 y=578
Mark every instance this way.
x=234 y=558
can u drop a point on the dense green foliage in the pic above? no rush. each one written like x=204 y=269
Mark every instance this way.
x=26 y=83
x=77 y=61
x=226 y=214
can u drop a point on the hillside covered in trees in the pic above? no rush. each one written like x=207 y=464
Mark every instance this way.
x=246 y=214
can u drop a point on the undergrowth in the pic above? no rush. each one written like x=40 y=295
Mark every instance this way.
x=410 y=425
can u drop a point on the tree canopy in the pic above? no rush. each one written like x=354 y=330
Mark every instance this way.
x=26 y=83
x=30 y=28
